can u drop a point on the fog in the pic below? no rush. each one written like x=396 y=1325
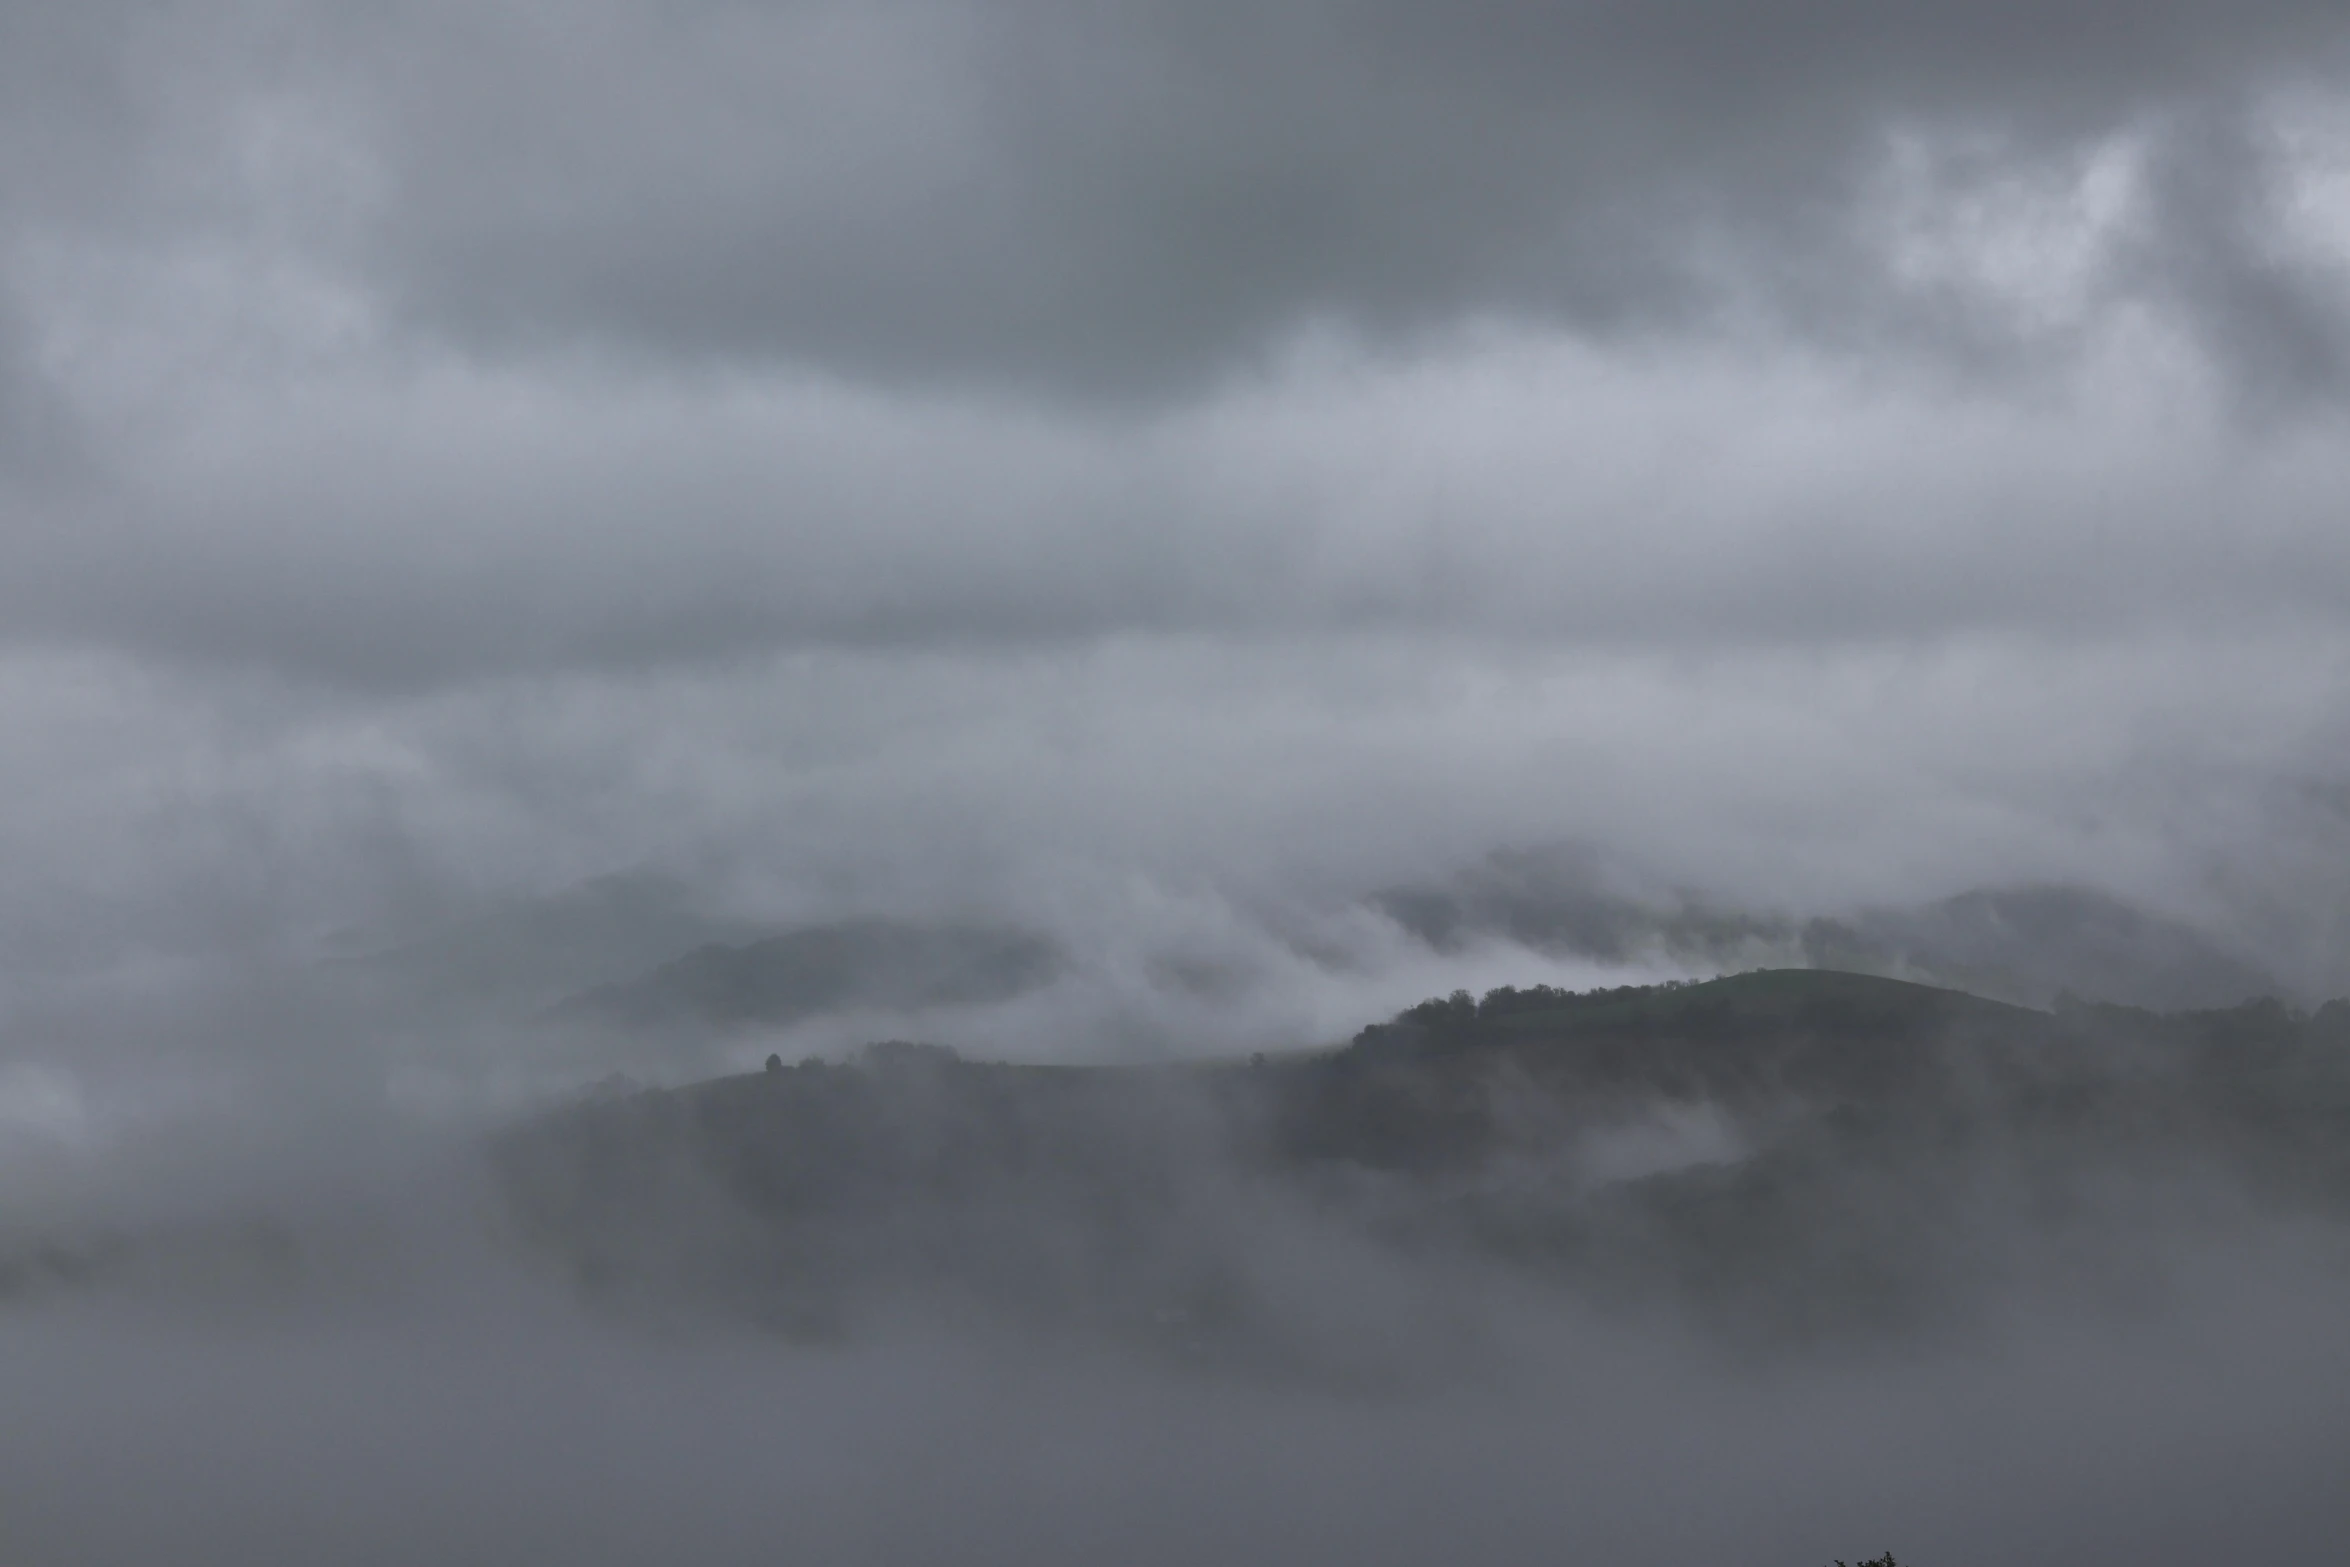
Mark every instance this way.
x=521 y=1434
x=549 y=554
x=377 y=1370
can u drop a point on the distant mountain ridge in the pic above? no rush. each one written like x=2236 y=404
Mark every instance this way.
x=2038 y=943
x=800 y=974
x=2027 y=944
x=525 y=952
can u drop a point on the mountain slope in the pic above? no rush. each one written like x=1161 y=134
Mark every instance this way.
x=804 y=973
x=2024 y=943
x=1829 y=1153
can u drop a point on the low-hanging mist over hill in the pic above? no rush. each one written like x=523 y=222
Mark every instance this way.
x=629 y=962
x=2026 y=943
x=1218 y=1216
x=1639 y=1229
x=1789 y=1158
x=1292 y=782
x=780 y=980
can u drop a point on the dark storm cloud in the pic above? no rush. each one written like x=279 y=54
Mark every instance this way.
x=2279 y=326
x=1140 y=194
x=419 y=343
x=1143 y=194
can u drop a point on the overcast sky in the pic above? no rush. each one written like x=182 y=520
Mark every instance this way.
x=1160 y=466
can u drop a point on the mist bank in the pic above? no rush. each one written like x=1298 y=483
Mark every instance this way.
x=1781 y=1163
x=241 y=878
x=2170 y=1440
x=2166 y=1440
x=1785 y=1158
x=550 y=554
x=1765 y=1269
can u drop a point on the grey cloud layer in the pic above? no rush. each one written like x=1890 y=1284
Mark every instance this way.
x=1113 y=195
x=184 y=853
x=509 y=392
x=1145 y=193
x=1157 y=474
x=446 y=524
x=427 y=342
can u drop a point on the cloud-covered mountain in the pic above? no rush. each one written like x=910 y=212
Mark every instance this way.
x=780 y=980
x=2025 y=943
x=2039 y=943
x=1772 y=1232
x=1061 y=529
x=1790 y=1158
x=527 y=951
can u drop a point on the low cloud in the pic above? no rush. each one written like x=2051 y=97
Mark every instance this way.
x=494 y=498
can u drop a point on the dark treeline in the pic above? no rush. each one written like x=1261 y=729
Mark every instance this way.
x=1784 y=1157
x=1461 y=1008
